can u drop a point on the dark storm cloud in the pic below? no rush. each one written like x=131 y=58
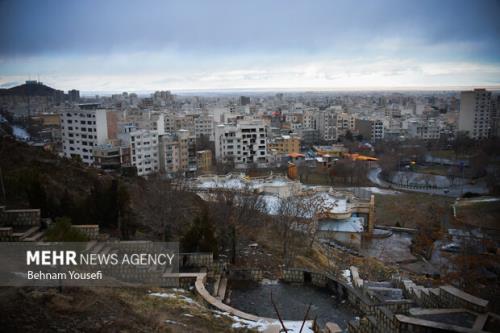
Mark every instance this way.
x=96 y=27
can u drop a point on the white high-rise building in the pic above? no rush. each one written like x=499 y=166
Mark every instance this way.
x=243 y=143
x=144 y=151
x=474 y=117
x=82 y=130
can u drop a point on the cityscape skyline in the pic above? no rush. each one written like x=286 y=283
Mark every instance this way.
x=296 y=45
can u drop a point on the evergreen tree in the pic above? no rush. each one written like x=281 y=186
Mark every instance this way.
x=201 y=236
x=62 y=231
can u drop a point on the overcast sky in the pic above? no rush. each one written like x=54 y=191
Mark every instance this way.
x=102 y=45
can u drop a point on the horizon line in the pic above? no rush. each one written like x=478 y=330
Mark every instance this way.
x=450 y=88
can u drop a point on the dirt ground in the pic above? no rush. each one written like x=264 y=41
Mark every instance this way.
x=403 y=210
x=104 y=310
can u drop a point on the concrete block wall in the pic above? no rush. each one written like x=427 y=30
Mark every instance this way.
x=400 y=306
x=20 y=217
x=456 y=298
x=293 y=275
x=6 y=234
x=386 y=320
x=319 y=280
x=195 y=259
x=246 y=274
x=89 y=230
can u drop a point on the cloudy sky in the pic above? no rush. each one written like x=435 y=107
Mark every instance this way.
x=111 y=45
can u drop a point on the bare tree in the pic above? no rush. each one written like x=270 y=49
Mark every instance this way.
x=297 y=215
x=233 y=211
x=165 y=205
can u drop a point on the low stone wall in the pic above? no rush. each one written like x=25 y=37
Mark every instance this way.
x=246 y=274
x=319 y=280
x=5 y=234
x=453 y=297
x=293 y=275
x=19 y=217
x=197 y=260
x=386 y=320
x=410 y=324
x=89 y=230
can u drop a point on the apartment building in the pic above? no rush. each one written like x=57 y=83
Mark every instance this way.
x=326 y=123
x=144 y=151
x=204 y=160
x=423 y=130
x=285 y=144
x=346 y=121
x=309 y=118
x=178 y=152
x=242 y=143
x=81 y=130
x=204 y=125
x=372 y=130
x=475 y=113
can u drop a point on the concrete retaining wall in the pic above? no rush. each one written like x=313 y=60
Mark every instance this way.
x=246 y=274
x=19 y=217
x=89 y=230
x=453 y=297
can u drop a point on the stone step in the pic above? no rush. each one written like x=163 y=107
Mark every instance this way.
x=35 y=237
x=90 y=245
x=28 y=233
x=480 y=322
x=106 y=250
x=98 y=248
x=382 y=284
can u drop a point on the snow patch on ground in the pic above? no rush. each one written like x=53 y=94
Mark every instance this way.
x=377 y=190
x=262 y=325
x=347 y=276
x=175 y=296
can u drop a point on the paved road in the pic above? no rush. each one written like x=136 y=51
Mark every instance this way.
x=455 y=191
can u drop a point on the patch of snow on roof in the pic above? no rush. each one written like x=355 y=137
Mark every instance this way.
x=353 y=224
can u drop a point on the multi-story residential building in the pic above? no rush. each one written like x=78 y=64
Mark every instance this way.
x=204 y=125
x=144 y=151
x=326 y=123
x=309 y=136
x=82 y=129
x=309 y=118
x=177 y=152
x=346 y=121
x=428 y=130
x=495 y=117
x=170 y=124
x=169 y=154
x=285 y=144
x=377 y=130
x=204 y=159
x=243 y=143
x=475 y=112
x=185 y=122
x=74 y=96
x=372 y=130
x=111 y=156
x=187 y=150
